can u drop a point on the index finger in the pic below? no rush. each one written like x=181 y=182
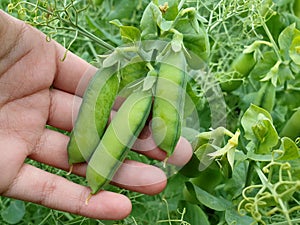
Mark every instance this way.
x=73 y=73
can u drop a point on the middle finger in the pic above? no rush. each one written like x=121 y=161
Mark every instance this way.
x=131 y=175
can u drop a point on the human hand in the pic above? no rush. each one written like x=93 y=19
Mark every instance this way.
x=38 y=89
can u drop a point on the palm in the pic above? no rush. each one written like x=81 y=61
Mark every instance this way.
x=25 y=101
x=29 y=67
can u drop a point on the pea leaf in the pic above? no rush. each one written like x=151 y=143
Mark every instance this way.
x=98 y=29
x=129 y=34
x=112 y=59
x=294 y=50
x=177 y=42
x=289 y=42
x=14 y=213
x=202 y=154
x=290 y=151
x=195 y=37
x=266 y=136
x=193 y=213
x=250 y=118
x=258 y=157
x=131 y=73
x=210 y=201
x=122 y=9
x=264 y=65
x=170 y=8
x=215 y=137
x=148 y=22
x=285 y=40
x=191 y=169
x=233 y=217
x=149 y=81
x=228 y=149
x=259 y=129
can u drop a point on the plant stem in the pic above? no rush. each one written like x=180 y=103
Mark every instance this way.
x=77 y=28
x=250 y=173
x=274 y=45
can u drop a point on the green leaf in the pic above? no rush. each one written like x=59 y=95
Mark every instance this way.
x=112 y=59
x=150 y=80
x=122 y=9
x=202 y=154
x=259 y=129
x=266 y=135
x=228 y=149
x=171 y=8
x=14 y=213
x=285 y=40
x=294 y=50
x=165 y=25
x=130 y=34
x=98 y=30
x=290 y=150
x=191 y=169
x=264 y=65
x=177 y=42
x=285 y=74
x=273 y=74
x=149 y=20
x=259 y=157
x=193 y=213
x=214 y=137
x=233 y=217
x=195 y=38
x=250 y=118
x=209 y=179
x=210 y=201
x=131 y=73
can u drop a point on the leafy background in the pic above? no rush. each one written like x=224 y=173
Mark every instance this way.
x=252 y=174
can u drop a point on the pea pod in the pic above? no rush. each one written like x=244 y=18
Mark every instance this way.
x=266 y=96
x=292 y=126
x=296 y=8
x=169 y=101
x=93 y=115
x=118 y=139
x=240 y=67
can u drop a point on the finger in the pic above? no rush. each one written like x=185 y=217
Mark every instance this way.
x=64 y=109
x=131 y=175
x=73 y=73
x=140 y=177
x=40 y=187
x=52 y=151
x=145 y=145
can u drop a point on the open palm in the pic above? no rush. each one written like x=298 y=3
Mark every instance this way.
x=37 y=88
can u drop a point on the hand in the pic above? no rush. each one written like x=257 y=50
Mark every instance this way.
x=29 y=67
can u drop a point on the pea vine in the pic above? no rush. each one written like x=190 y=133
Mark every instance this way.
x=245 y=167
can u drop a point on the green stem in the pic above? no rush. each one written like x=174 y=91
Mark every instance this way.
x=77 y=28
x=274 y=45
x=250 y=173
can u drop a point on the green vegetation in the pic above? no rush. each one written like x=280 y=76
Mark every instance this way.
x=241 y=104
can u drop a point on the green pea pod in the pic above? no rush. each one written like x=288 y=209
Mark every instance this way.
x=241 y=67
x=118 y=139
x=93 y=115
x=266 y=96
x=296 y=8
x=292 y=126
x=169 y=102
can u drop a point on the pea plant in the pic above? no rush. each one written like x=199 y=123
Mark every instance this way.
x=225 y=74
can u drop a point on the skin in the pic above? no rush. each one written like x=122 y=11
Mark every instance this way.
x=29 y=66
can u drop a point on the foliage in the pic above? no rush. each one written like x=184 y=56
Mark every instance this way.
x=242 y=116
